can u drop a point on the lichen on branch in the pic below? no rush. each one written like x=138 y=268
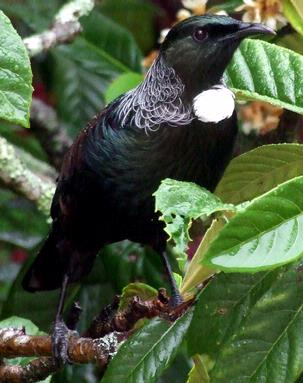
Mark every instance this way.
x=18 y=177
x=64 y=29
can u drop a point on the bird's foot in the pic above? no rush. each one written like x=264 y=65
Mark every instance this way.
x=176 y=299
x=60 y=340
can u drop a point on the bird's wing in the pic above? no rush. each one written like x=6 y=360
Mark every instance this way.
x=63 y=201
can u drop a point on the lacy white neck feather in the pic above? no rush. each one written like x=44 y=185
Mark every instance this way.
x=157 y=100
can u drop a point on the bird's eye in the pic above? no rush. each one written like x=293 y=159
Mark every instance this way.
x=200 y=34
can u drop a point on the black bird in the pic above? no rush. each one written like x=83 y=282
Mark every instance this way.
x=168 y=126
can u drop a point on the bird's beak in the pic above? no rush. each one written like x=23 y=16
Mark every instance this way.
x=248 y=29
x=251 y=29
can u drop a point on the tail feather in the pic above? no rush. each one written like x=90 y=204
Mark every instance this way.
x=47 y=270
x=56 y=258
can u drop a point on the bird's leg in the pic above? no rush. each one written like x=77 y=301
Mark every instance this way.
x=60 y=330
x=176 y=298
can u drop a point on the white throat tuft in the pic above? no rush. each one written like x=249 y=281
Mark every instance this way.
x=215 y=104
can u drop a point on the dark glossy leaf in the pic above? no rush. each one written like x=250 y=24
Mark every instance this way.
x=146 y=354
x=178 y=369
x=88 y=66
x=135 y=15
x=254 y=320
x=36 y=14
x=21 y=223
x=110 y=37
x=82 y=74
x=38 y=307
x=84 y=373
x=132 y=262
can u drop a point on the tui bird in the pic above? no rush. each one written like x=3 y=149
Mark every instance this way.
x=178 y=123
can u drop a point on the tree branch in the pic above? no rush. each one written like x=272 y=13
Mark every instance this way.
x=64 y=29
x=14 y=343
x=52 y=137
x=80 y=350
x=16 y=176
x=98 y=344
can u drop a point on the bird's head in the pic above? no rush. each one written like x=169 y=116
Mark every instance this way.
x=200 y=48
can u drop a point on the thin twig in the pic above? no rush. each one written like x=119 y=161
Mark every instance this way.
x=64 y=29
x=52 y=137
x=17 y=177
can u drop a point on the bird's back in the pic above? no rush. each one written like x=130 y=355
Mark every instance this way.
x=108 y=178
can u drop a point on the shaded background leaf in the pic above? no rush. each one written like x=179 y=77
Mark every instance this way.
x=85 y=69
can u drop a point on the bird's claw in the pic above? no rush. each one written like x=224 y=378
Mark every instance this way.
x=175 y=300
x=60 y=340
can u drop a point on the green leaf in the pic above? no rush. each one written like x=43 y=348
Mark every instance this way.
x=255 y=322
x=141 y=290
x=227 y=6
x=132 y=262
x=267 y=72
x=197 y=273
x=17 y=322
x=293 y=16
x=258 y=171
x=222 y=305
x=198 y=373
x=143 y=357
x=39 y=308
x=85 y=69
x=121 y=85
x=180 y=203
x=16 y=135
x=115 y=40
x=137 y=16
x=15 y=75
x=21 y=223
x=178 y=370
x=36 y=14
x=178 y=279
x=265 y=234
x=293 y=41
x=299 y=6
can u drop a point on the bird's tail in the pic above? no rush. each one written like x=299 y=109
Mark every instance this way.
x=46 y=272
